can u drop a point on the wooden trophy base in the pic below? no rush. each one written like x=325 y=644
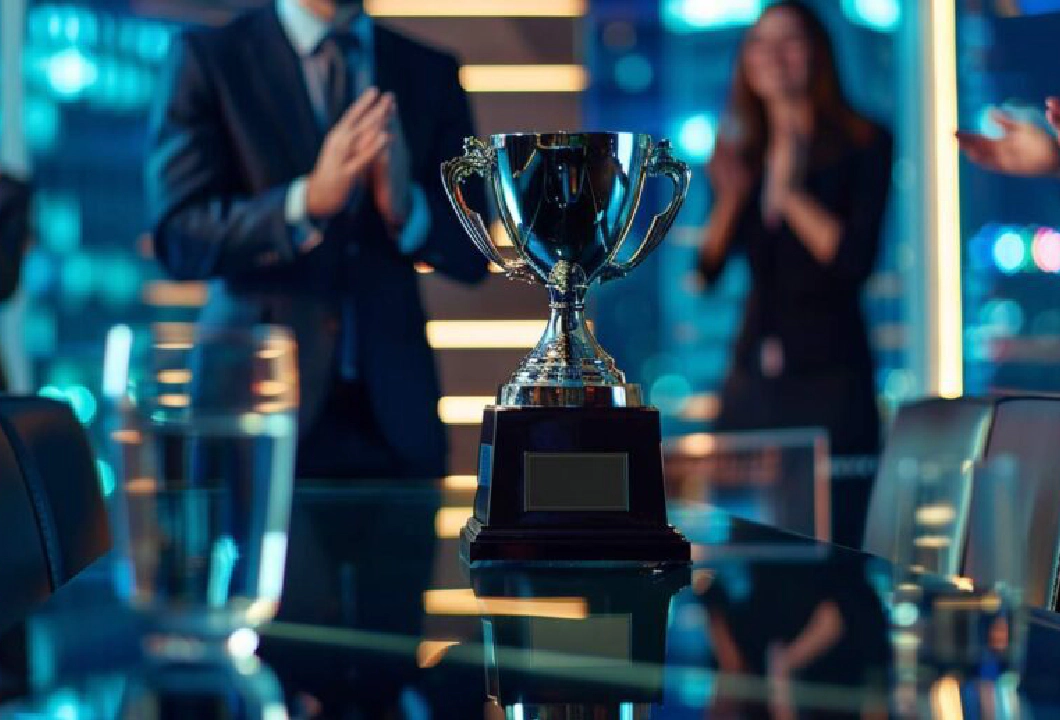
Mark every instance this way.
x=571 y=486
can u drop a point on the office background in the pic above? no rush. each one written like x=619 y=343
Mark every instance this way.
x=78 y=78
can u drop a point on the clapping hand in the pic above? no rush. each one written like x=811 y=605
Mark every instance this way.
x=348 y=152
x=1024 y=149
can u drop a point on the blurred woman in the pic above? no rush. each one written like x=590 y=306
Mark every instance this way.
x=800 y=182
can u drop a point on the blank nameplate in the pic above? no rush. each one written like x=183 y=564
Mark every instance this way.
x=571 y=482
x=567 y=643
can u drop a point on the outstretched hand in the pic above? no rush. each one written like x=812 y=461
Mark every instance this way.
x=1024 y=149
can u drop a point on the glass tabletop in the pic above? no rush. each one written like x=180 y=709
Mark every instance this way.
x=380 y=615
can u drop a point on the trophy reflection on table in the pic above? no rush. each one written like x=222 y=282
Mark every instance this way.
x=568 y=643
x=570 y=469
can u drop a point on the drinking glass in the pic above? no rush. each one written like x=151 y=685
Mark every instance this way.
x=206 y=451
x=957 y=611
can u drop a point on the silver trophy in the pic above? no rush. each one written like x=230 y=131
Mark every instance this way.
x=567 y=201
x=570 y=469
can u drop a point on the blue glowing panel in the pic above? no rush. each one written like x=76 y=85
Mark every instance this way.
x=1037 y=7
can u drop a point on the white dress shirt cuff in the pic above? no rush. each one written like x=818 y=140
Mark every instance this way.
x=304 y=234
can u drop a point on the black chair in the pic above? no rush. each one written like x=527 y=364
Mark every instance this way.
x=56 y=462
x=26 y=576
x=1027 y=430
x=946 y=432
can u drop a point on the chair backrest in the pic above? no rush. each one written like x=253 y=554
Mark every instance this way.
x=58 y=466
x=946 y=432
x=777 y=477
x=1027 y=430
x=25 y=576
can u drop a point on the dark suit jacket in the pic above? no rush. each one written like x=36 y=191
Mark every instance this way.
x=814 y=308
x=14 y=237
x=232 y=128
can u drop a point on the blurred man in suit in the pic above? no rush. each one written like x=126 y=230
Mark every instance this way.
x=294 y=165
x=14 y=237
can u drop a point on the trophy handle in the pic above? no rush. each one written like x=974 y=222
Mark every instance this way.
x=478 y=159
x=660 y=162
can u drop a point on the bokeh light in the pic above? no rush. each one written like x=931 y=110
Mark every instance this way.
x=70 y=72
x=1010 y=252
x=698 y=15
x=57 y=219
x=696 y=135
x=117 y=279
x=980 y=248
x=39 y=333
x=38 y=273
x=881 y=15
x=669 y=393
x=1045 y=249
x=1001 y=317
x=985 y=124
x=898 y=385
x=633 y=73
x=76 y=278
x=42 y=120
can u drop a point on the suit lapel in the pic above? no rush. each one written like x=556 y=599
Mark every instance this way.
x=275 y=72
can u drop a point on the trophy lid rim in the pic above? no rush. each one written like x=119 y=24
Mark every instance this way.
x=496 y=138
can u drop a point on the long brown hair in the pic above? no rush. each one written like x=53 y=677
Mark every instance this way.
x=832 y=112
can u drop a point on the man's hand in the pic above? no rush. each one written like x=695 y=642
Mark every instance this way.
x=350 y=148
x=391 y=184
x=1025 y=150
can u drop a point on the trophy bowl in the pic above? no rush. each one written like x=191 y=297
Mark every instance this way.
x=567 y=201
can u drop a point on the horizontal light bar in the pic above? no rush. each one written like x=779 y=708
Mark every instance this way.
x=141 y=486
x=523 y=78
x=936 y=514
x=696 y=444
x=425 y=269
x=162 y=293
x=449 y=521
x=126 y=436
x=463 y=409
x=460 y=482
x=476 y=8
x=174 y=377
x=464 y=602
x=703 y=408
x=465 y=334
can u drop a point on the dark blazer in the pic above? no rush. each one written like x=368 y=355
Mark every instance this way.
x=814 y=309
x=232 y=128
x=14 y=237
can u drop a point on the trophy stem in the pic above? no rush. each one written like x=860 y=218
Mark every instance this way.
x=568 y=328
x=568 y=366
